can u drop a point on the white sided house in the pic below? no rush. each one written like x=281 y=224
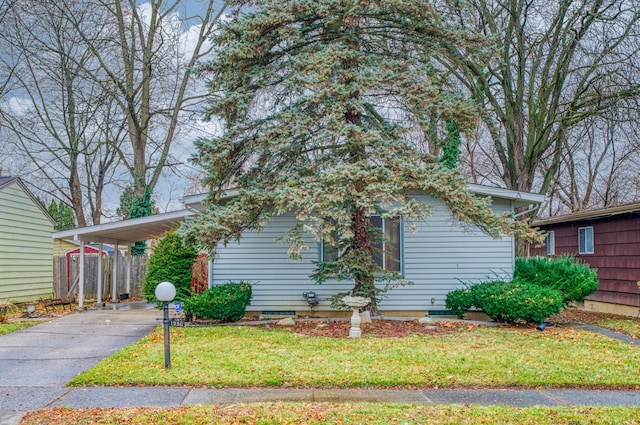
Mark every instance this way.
x=26 y=247
x=439 y=255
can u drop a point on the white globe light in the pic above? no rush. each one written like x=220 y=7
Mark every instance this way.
x=165 y=291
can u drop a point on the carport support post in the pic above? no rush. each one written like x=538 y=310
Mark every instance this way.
x=81 y=277
x=129 y=271
x=99 y=296
x=114 y=279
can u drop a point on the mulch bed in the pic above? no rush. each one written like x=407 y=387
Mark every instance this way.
x=385 y=328
x=377 y=328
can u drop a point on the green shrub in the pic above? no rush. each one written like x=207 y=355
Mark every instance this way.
x=512 y=301
x=517 y=301
x=460 y=301
x=573 y=278
x=226 y=302
x=171 y=261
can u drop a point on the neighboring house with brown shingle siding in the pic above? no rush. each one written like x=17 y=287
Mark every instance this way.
x=607 y=239
x=26 y=246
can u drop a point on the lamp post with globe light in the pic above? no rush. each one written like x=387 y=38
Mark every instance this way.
x=166 y=292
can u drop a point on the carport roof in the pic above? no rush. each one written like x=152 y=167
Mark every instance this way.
x=127 y=232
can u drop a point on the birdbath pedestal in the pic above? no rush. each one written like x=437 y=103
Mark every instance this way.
x=356 y=303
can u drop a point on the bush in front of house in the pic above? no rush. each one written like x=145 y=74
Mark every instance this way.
x=171 y=261
x=573 y=278
x=518 y=301
x=226 y=303
x=507 y=301
x=460 y=301
x=540 y=288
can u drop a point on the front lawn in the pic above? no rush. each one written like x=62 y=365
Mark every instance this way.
x=8 y=327
x=481 y=357
x=324 y=413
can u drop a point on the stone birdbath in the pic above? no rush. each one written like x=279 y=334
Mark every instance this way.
x=356 y=303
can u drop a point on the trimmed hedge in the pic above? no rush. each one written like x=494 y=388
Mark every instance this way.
x=540 y=288
x=460 y=301
x=513 y=301
x=573 y=278
x=518 y=301
x=226 y=303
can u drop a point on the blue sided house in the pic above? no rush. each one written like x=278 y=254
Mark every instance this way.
x=438 y=255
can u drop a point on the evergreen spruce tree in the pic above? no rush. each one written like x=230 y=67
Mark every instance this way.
x=133 y=206
x=327 y=107
x=61 y=213
x=171 y=261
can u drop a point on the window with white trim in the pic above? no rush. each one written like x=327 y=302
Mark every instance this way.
x=585 y=240
x=551 y=243
x=386 y=253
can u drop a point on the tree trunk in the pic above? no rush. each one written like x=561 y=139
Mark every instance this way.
x=364 y=279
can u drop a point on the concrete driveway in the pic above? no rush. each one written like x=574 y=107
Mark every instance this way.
x=36 y=363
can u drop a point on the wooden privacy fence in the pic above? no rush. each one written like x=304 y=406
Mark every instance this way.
x=65 y=275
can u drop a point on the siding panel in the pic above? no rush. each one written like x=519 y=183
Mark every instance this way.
x=26 y=247
x=438 y=256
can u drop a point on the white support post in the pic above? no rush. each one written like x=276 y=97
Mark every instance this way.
x=81 y=277
x=114 y=277
x=129 y=271
x=99 y=296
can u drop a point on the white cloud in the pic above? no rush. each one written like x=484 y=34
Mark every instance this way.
x=18 y=106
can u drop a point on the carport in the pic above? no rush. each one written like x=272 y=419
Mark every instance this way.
x=120 y=233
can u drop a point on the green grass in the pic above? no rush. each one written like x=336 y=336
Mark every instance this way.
x=479 y=357
x=8 y=327
x=323 y=413
x=626 y=326
x=615 y=322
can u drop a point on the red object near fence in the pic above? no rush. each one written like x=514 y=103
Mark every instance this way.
x=200 y=274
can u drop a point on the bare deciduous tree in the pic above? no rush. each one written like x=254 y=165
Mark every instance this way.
x=55 y=114
x=146 y=64
x=556 y=64
x=599 y=165
x=102 y=85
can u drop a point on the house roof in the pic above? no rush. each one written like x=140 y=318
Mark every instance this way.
x=5 y=181
x=197 y=201
x=520 y=199
x=137 y=229
x=590 y=215
x=127 y=232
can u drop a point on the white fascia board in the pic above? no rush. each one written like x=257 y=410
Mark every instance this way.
x=126 y=231
x=520 y=198
x=196 y=202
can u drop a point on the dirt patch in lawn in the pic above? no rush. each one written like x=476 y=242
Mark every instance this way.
x=578 y=315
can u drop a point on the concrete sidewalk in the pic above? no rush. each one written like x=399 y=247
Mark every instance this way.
x=36 y=363
x=175 y=396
